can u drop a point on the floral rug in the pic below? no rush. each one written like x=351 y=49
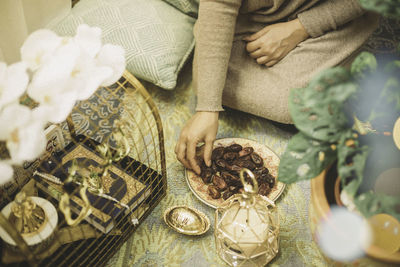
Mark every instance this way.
x=154 y=244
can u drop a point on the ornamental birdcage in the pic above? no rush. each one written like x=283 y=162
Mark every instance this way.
x=103 y=172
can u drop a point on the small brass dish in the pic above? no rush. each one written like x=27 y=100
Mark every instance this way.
x=185 y=220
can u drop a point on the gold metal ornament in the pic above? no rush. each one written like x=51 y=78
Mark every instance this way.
x=26 y=216
x=91 y=178
x=186 y=220
x=247 y=227
x=65 y=199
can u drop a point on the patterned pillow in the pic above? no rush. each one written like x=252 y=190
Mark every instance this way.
x=189 y=7
x=157 y=37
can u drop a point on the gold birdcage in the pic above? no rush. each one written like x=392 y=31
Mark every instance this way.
x=104 y=171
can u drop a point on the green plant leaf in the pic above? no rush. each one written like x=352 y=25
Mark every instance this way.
x=351 y=162
x=370 y=203
x=393 y=66
x=391 y=92
x=364 y=64
x=388 y=8
x=386 y=108
x=304 y=159
x=317 y=110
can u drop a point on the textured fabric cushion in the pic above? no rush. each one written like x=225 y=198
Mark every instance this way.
x=190 y=7
x=157 y=37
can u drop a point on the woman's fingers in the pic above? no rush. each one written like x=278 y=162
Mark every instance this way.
x=207 y=152
x=180 y=151
x=262 y=60
x=256 y=35
x=252 y=46
x=256 y=54
x=191 y=156
x=202 y=126
x=271 y=63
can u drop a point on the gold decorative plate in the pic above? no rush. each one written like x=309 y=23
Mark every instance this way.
x=271 y=161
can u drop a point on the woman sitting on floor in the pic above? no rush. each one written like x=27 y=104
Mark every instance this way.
x=250 y=53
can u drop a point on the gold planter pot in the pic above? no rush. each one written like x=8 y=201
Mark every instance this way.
x=320 y=208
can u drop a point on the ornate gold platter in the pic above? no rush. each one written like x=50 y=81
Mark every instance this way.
x=271 y=161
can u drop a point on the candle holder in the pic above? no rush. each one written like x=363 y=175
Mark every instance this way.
x=247 y=226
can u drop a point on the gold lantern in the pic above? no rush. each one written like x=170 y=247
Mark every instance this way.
x=247 y=227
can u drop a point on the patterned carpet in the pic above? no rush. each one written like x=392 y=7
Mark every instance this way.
x=154 y=244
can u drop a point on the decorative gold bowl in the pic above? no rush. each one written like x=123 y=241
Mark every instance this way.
x=186 y=220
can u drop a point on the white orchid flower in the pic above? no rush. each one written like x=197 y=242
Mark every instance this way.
x=112 y=56
x=86 y=76
x=89 y=39
x=52 y=76
x=39 y=47
x=11 y=118
x=89 y=74
x=6 y=173
x=13 y=82
x=59 y=106
x=50 y=85
x=22 y=129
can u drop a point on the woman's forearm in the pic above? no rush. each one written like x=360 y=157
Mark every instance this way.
x=329 y=15
x=214 y=31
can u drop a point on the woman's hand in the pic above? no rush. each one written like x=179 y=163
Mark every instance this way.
x=202 y=127
x=274 y=42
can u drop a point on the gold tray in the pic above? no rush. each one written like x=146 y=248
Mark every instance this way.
x=271 y=161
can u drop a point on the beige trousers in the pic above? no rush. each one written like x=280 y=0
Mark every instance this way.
x=264 y=91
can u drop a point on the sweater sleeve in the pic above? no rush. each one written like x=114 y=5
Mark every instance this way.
x=329 y=15
x=214 y=32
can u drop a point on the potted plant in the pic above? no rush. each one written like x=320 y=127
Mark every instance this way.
x=349 y=122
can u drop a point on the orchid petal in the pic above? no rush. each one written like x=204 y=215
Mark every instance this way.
x=6 y=173
x=22 y=129
x=40 y=115
x=12 y=118
x=39 y=47
x=60 y=107
x=13 y=82
x=30 y=144
x=89 y=39
x=52 y=78
x=92 y=82
x=112 y=56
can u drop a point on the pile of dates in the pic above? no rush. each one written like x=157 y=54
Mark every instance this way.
x=223 y=176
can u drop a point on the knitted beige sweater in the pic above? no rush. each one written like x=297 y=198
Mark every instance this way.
x=215 y=30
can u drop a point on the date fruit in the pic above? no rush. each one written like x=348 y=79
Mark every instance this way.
x=213 y=192
x=230 y=156
x=264 y=189
x=258 y=161
x=223 y=178
x=217 y=153
x=233 y=148
x=246 y=151
x=206 y=175
x=219 y=183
